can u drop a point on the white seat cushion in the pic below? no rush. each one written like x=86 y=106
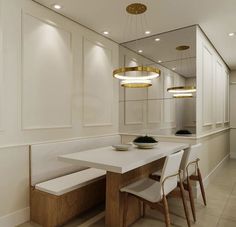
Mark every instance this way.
x=67 y=183
x=147 y=189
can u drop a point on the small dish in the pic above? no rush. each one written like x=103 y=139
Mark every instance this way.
x=145 y=145
x=122 y=147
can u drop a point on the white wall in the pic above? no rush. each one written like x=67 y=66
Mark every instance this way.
x=55 y=83
x=150 y=110
x=233 y=114
x=212 y=88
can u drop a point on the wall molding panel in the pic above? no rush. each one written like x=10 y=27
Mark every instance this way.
x=97 y=84
x=207 y=78
x=47 y=75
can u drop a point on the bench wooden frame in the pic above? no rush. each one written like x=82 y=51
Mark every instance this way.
x=50 y=210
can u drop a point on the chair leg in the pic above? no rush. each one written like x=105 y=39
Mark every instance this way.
x=184 y=204
x=190 y=192
x=201 y=186
x=166 y=211
x=125 y=208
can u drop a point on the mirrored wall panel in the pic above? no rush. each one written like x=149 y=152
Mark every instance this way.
x=156 y=110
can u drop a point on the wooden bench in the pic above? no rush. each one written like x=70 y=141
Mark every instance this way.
x=60 y=191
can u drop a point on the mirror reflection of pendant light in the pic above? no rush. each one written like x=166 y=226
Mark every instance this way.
x=182 y=91
x=145 y=73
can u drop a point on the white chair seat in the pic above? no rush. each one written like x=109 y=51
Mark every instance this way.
x=67 y=183
x=147 y=189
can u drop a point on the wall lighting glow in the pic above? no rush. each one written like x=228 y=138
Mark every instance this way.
x=231 y=34
x=56 y=6
x=147 y=32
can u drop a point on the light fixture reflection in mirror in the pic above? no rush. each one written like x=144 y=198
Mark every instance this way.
x=184 y=95
x=182 y=89
x=137 y=83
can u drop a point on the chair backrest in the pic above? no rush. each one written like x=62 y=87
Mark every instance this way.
x=171 y=167
x=191 y=154
x=44 y=163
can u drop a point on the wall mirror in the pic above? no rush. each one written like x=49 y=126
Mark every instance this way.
x=154 y=110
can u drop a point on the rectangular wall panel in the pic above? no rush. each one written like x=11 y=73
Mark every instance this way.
x=155 y=109
x=226 y=104
x=47 y=75
x=219 y=93
x=98 y=85
x=232 y=105
x=134 y=113
x=169 y=110
x=207 y=79
x=1 y=73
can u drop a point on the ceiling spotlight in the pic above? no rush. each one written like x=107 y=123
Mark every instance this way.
x=160 y=61
x=140 y=51
x=173 y=68
x=105 y=33
x=147 y=32
x=231 y=34
x=157 y=39
x=56 y=6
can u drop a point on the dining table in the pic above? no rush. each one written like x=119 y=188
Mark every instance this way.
x=123 y=168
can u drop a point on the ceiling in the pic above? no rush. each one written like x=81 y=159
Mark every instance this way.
x=217 y=18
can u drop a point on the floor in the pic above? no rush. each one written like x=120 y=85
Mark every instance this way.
x=220 y=210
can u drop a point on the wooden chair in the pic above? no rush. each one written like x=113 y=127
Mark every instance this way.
x=153 y=193
x=191 y=171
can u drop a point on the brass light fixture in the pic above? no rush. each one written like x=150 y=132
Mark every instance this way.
x=147 y=73
x=182 y=91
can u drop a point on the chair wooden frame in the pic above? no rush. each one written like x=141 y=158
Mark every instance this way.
x=188 y=187
x=162 y=205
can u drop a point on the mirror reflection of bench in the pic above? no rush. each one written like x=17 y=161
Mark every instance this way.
x=60 y=191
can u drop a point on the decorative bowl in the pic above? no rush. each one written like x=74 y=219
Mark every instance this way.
x=145 y=142
x=122 y=147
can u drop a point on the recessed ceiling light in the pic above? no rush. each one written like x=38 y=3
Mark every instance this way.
x=173 y=68
x=231 y=34
x=56 y=6
x=105 y=33
x=157 y=39
x=160 y=61
x=140 y=51
x=147 y=32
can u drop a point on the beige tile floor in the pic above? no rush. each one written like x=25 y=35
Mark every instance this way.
x=220 y=210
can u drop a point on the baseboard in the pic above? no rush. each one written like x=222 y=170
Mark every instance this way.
x=15 y=218
x=210 y=176
x=233 y=155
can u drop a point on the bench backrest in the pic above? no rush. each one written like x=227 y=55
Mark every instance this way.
x=44 y=163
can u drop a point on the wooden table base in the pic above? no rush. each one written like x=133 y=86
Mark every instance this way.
x=114 y=198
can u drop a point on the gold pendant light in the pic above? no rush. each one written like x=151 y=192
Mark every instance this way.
x=182 y=91
x=147 y=73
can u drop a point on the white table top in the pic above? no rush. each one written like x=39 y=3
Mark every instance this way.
x=108 y=159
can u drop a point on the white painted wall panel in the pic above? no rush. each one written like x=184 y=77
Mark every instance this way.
x=46 y=75
x=169 y=111
x=219 y=93
x=233 y=105
x=98 y=84
x=155 y=109
x=134 y=112
x=207 y=74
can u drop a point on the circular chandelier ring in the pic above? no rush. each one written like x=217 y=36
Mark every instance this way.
x=147 y=69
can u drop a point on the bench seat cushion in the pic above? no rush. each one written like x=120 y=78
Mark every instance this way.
x=70 y=182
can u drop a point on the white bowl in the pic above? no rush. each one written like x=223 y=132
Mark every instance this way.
x=122 y=147
x=145 y=145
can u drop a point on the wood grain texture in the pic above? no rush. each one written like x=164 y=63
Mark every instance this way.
x=115 y=199
x=49 y=210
